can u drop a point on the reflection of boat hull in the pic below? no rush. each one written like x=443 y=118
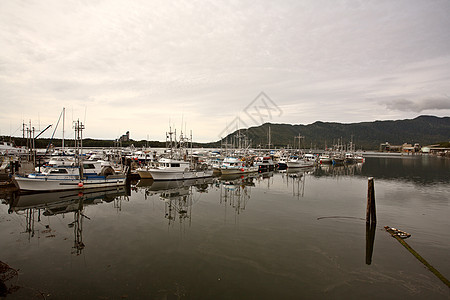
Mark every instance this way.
x=49 y=184
x=58 y=201
x=161 y=185
x=338 y=161
x=296 y=172
x=228 y=177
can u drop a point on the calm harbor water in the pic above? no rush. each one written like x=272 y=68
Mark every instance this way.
x=291 y=235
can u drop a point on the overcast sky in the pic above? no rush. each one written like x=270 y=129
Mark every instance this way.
x=139 y=66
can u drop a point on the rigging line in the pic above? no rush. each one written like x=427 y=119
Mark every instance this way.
x=56 y=127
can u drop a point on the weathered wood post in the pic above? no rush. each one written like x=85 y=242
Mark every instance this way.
x=370 y=239
x=371 y=215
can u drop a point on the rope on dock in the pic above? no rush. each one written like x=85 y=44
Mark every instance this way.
x=417 y=255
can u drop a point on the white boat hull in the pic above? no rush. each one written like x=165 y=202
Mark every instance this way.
x=233 y=171
x=164 y=174
x=300 y=164
x=48 y=184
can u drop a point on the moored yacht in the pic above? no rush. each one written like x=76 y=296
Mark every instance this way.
x=234 y=165
x=325 y=159
x=172 y=169
x=75 y=177
x=264 y=163
x=71 y=176
x=297 y=162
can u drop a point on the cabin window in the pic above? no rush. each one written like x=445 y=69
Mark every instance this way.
x=175 y=165
x=88 y=166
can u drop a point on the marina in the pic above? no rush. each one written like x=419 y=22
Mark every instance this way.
x=295 y=233
x=224 y=150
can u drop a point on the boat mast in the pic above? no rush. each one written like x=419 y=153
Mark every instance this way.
x=79 y=144
x=192 y=151
x=64 y=121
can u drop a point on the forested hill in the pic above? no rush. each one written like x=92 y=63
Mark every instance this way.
x=424 y=130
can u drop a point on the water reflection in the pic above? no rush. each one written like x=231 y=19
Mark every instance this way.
x=265 y=177
x=235 y=191
x=338 y=170
x=240 y=255
x=370 y=239
x=295 y=180
x=34 y=206
x=178 y=196
x=423 y=170
x=417 y=169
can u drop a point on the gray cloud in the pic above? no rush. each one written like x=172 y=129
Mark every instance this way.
x=206 y=61
x=419 y=105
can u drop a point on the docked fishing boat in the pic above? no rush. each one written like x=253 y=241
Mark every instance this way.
x=144 y=169
x=8 y=148
x=234 y=165
x=179 y=165
x=79 y=176
x=297 y=162
x=282 y=162
x=309 y=157
x=173 y=169
x=325 y=159
x=264 y=163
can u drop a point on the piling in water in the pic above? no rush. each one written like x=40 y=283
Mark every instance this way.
x=417 y=255
x=371 y=215
x=370 y=239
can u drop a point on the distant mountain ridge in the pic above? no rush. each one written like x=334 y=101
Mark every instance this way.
x=424 y=130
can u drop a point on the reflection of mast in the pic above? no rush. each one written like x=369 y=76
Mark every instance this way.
x=30 y=223
x=235 y=194
x=55 y=203
x=298 y=184
x=268 y=176
x=178 y=204
x=77 y=224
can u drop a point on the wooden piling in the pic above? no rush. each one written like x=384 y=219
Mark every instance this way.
x=417 y=255
x=371 y=215
x=370 y=239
